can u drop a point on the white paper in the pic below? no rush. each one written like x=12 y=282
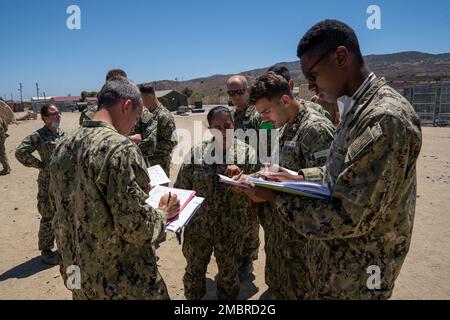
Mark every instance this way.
x=225 y=179
x=158 y=191
x=157 y=175
x=185 y=215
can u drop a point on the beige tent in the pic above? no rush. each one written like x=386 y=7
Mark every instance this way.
x=6 y=113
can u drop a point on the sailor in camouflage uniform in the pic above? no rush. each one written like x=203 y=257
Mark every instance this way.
x=363 y=232
x=284 y=72
x=163 y=126
x=87 y=113
x=219 y=224
x=43 y=141
x=99 y=185
x=247 y=122
x=144 y=133
x=304 y=138
x=3 y=159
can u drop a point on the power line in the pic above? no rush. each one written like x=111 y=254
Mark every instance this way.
x=20 y=89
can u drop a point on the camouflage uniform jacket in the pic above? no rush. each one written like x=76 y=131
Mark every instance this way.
x=148 y=131
x=3 y=129
x=248 y=119
x=103 y=225
x=303 y=143
x=201 y=176
x=43 y=141
x=315 y=106
x=371 y=170
x=163 y=123
x=88 y=113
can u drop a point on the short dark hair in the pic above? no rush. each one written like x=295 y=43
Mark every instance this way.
x=269 y=85
x=114 y=73
x=146 y=88
x=328 y=35
x=281 y=71
x=116 y=90
x=215 y=111
x=45 y=109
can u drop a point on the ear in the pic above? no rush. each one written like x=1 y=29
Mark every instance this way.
x=341 y=56
x=285 y=99
x=126 y=105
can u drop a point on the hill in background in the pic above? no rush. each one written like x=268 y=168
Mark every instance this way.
x=404 y=66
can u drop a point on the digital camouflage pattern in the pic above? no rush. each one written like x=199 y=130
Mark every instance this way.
x=245 y=120
x=163 y=123
x=303 y=143
x=219 y=224
x=103 y=225
x=148 y=131
x=43 y=141
x=3 y=129
x=368 y=222
x=88 y=113
x=316 y=107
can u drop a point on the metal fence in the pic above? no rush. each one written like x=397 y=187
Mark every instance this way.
x=431 y=102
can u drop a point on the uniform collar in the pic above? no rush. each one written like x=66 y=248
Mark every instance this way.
x=346 y=103
x=98 y=124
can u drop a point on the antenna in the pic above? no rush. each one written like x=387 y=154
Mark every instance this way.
x=21 y=89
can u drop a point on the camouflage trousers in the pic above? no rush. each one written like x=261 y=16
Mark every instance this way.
x=3 y=158
x=251 y=240
x=286 y=273
x=201 y=239
x=157 y=291
x=46 y=233
x=296 y=251
x=276 y=279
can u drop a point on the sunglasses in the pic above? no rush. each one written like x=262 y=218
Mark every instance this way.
x=53 y=114
x=312 y=78
x=238 y=92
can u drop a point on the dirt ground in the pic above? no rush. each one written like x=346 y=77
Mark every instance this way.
x=425 y=274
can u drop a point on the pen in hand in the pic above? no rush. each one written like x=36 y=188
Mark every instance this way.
x=170 y=195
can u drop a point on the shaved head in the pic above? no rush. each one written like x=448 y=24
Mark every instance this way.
x=238 y=80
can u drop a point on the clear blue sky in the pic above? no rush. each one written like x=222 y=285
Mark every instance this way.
x=155 y=40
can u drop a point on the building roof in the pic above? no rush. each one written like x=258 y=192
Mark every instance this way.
x=66 y=99
x=41 y=98
x=162 y=93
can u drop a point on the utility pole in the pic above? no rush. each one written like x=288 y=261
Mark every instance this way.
x=20 y=89
x=37 y=90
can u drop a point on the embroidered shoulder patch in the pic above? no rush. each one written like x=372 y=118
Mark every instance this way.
x=369 y=136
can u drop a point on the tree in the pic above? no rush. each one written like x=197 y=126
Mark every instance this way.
x=187 y=92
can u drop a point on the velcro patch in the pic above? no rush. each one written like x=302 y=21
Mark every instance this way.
x=369 y=136
x=321 y=154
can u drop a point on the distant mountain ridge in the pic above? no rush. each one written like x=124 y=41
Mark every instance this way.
x=403 y=66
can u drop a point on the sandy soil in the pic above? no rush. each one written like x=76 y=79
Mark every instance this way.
x=425 y=274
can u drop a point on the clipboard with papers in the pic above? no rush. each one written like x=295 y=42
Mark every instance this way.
x=189 y=204
x=301 y=188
